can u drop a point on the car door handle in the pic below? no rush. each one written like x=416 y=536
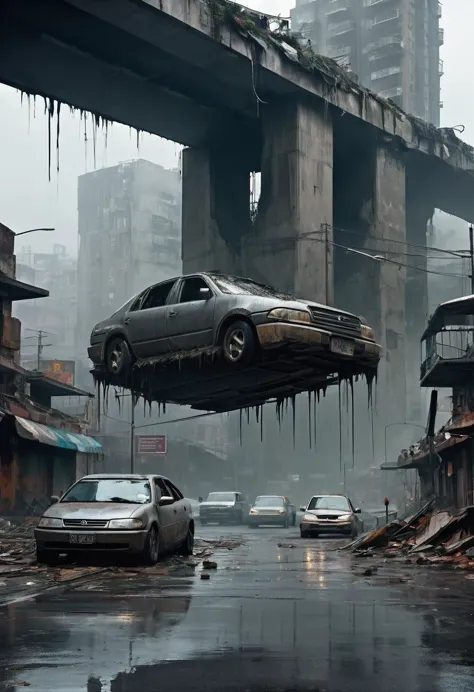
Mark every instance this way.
x=127 y=321
x=176 y=511
x=172 y=313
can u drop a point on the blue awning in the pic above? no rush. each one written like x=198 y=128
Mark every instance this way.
x=45 y=434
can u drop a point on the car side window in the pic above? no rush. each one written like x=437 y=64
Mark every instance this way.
x=157 y=295
x=191 y=290
x=163 y=490
x=136 y=303
x=177 y=494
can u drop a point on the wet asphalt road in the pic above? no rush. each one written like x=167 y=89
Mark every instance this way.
x=278 y=614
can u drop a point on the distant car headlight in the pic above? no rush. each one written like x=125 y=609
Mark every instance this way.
x=367 y=332
x=253 y=511
x=345 y=517
x=126 y=524
x=281 y=511
x=50 y=523
x=310 y=517
x=286 y=315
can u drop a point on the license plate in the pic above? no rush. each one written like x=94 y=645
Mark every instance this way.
x=342 y=346
x=81 y=538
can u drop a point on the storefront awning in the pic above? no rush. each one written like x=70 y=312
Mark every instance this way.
x=45 y=434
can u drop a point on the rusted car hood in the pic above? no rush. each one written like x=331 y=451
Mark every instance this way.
x=92 y=510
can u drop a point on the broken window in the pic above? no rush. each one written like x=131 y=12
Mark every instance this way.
x=194 y=289
x=157 y=295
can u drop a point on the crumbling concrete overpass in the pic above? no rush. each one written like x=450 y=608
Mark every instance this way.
x=340 y=166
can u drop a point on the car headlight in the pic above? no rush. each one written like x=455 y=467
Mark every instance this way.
x=310 y=517
x=345 y=517
x=367 y=332
x=50 y=523
x=287 y=315
x=281 y=511
x=126 y=524
x=253 y=511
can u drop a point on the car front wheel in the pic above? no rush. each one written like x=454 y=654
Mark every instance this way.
x=188 y=545
x=239 y=344
x=152 y=546
x=118 y=356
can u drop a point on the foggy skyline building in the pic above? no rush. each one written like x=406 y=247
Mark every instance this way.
x=56 y=272
x=393 y=46
x=129 y=237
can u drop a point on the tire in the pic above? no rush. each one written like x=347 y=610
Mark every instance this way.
x=239 y=519
x=239 y=343
x=286 y=525
x=47 y=557
x=118 y=357
x=304 y=534
x=188 y=545
x=152 y=546
x=294 y=520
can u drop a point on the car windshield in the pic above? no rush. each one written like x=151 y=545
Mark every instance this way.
x=329 y=502
x=237 y=286
x=221 y=497
x=121 y=490
x=269 y=501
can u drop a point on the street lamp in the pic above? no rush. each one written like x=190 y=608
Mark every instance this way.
x=389 y=425
x=33 y=230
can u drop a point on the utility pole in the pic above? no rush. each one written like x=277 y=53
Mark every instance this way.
x=471 y=253
x=40 y=345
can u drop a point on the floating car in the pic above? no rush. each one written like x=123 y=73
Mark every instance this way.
x=272 y=509
x=141 y=515
x=224 y=507
x=238 y=315
x=330 y=514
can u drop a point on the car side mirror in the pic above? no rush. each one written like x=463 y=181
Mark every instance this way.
x=166 y=500
x=358 y=510
x=205 y=293
x=302 y=509
x=54 y=499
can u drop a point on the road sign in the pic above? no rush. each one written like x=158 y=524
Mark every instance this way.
x=151 y=444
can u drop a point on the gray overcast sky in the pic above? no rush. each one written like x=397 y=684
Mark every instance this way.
x=27 y=199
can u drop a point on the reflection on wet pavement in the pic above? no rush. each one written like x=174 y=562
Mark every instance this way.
x=278 y=614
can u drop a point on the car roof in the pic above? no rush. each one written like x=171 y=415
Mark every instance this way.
x=331 y=495
x=131 y=476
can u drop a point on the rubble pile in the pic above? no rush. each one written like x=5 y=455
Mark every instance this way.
x=431 y=537
x=17 y=544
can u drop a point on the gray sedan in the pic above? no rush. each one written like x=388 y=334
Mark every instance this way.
x=236 y=316
x=330 y=514
x=142 y=515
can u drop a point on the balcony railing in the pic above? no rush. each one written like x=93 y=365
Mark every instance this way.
x=340 y=28
x=338 y=6
x=449 y=358
x=441 y=36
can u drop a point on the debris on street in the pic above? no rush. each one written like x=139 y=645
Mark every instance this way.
x=208 y=564
x=429 y=537
x=205 y=576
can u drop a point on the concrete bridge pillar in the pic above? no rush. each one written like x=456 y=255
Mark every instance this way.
x=389 y=238
x=287 y=246
x=216 y=209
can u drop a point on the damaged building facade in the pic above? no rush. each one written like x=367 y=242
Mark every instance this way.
x=42 y=450
x=446 y=465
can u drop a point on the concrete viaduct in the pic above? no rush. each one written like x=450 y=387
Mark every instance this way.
x=340 y=166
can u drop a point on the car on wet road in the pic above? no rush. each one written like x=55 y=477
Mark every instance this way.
x=224 y=507
x=330 y=514
x=138 y=514
x=272 y=510
x=237 y=316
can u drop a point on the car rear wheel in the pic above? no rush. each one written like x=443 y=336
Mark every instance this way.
x=118 y=356
x=188 y=545
x=152 y=546
x=239 y=344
